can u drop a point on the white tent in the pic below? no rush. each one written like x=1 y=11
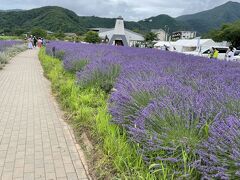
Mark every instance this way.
x=185 y=45
x=162 y=44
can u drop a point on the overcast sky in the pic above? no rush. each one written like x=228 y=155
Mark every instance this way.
x=129 y=9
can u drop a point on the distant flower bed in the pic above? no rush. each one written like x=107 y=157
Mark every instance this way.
x=8 y=49
x=182 y=111
x=8 y=43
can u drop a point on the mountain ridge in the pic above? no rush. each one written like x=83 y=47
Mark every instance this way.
x=213 y=18
x=54 y=18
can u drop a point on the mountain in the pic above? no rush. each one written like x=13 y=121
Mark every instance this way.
x=56 y=19
x=50 y=18
x=211 y=19
x=11 y=10
x=93 y=22
x=201 y=22
x=161 y=21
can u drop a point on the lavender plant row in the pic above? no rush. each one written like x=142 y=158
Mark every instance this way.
x=169 y=103
x=5 y=44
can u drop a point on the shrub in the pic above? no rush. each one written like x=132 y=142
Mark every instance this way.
x=103 y=76
x=38 y=32
x=78 y=65
x=3 y=58
x=59 y=55
x=10 y=52
x=92 y=37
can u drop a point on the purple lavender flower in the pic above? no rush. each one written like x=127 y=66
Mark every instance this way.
x=8 y=43
x=220 y=153
x=165 y=101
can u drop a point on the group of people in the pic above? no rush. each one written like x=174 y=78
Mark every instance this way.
x=229 y=56
x=33 y=42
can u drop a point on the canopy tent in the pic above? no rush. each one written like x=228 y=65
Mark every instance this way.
x=184 y=45
x=163 y=44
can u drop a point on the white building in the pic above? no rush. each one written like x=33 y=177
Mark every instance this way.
x=161 y=34
x=70 y=34
x=183 y=35
x=119 y=35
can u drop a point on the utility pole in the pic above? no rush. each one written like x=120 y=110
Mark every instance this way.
x=166 y=29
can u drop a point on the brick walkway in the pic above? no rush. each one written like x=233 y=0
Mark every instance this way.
x=35 y=142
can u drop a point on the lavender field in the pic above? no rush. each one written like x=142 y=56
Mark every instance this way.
x=5 y=44
x=8 y=49
x=182 y=112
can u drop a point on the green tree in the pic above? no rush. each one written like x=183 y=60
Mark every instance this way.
x=60 y=35
x=7 y=31
x=228 y=32
x=92 y=37
x=149 y=37
x=79 y=33
x=19 y=32
x=79 y=38
x=38 y=32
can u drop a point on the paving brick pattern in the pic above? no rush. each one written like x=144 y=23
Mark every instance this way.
x=35 y=142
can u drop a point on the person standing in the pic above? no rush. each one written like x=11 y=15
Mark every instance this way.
x=43 y=42
x=30 y=43
x=39 y=42
x=230 y=54
x=34 y=41
x=214 y=53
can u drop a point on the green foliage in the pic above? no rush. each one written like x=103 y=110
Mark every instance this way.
x=3 y=58
x=205 y=21
x=19 y=32
x=150 y=36
x=51 y=37
x=67 y=38
x=50 y=18
x=38 y=32
x=60 y=35
x=102 y=79
x=59 y=55
x=92 y=37
x=161 y=21
x=78 y=65
x=6 y=31
x=88 y=108
x=9 y=38
x=175 y=133
x=79 y=39
x=228 y=32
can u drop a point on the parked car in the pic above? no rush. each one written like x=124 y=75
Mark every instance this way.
x=237 y=55
x=205 y=53
x=221 y=52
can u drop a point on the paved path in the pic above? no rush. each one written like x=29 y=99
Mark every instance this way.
x=35 y=142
